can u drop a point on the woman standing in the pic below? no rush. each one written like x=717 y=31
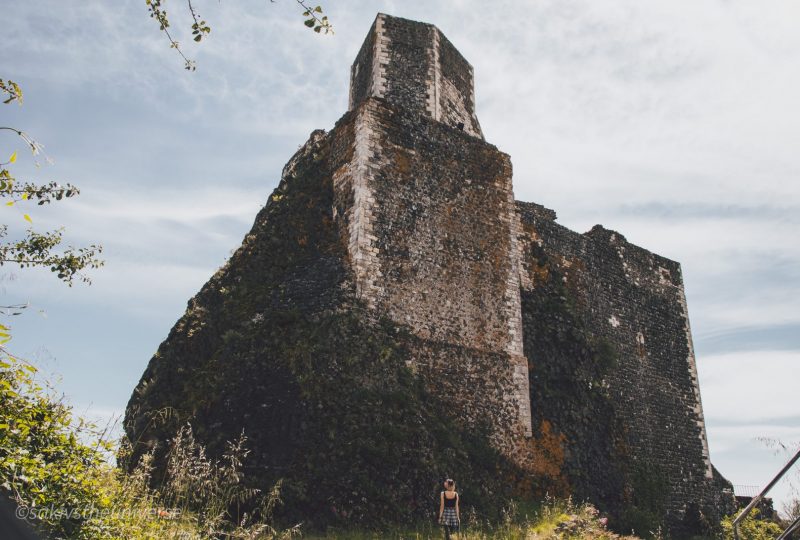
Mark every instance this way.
x=449 y=515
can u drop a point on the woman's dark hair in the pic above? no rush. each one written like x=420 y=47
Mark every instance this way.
x=450 y=482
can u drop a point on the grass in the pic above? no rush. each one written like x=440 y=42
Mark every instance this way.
x=553 y=519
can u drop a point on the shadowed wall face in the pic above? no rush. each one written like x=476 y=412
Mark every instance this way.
x=634 y=365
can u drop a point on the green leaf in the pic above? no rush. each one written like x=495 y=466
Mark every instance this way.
x=13 y=158
x=318 y=9
x=27 y=218
x=309 y=23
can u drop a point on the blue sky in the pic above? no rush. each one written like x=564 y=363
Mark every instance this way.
x=675 y=123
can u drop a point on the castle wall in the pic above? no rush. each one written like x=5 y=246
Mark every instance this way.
x=409 y=72
x=632 y=301
x=432 y=244
x=293 y=262
x=366 y=78
x=455 y=88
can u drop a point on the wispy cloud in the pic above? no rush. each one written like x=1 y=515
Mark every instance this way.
x=776 y=337
x=761 y=395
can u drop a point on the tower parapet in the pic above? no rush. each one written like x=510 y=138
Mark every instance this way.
x=413 y=66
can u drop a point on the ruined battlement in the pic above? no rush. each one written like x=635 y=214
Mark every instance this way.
x=395 y=315
x=413 y=66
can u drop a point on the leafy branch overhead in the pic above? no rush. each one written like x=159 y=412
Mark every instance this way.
x=12 y=90
x=39 y=249
x=314 y=19
x=42 y=194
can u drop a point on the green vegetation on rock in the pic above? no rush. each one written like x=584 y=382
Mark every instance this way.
x=343 y=423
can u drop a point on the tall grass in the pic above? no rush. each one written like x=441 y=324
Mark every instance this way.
x=198 y=498
x=553 y=519
x=59 y=472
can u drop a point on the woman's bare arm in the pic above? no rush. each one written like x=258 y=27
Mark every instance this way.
x=441 y=505
x=458 y=512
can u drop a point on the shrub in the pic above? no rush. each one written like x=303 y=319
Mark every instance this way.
x=57 y=468
x=43 y=463
x=751 y=528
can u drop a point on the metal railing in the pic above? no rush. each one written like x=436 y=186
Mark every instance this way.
x=795 y=526
x=743 y=514
x=746 y=491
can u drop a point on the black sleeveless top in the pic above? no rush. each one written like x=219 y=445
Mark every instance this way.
x=450 y=503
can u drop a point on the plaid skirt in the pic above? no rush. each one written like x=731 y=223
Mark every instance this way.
x=449 y=518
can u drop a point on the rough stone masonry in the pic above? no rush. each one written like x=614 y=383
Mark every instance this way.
x=572 y=352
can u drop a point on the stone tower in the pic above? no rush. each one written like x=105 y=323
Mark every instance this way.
x=431 y=221
x=395 y=315
x=414 y=66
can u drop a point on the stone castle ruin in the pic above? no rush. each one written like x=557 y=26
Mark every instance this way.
x=393 y=281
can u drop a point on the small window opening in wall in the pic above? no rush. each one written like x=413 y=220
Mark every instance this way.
x=460 y=126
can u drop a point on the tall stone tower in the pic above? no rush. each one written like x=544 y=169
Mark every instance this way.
x=414 y=66
x=395 y=315
x=430 y=215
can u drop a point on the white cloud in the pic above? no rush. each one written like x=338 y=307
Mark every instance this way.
x=748 y=397
x=751 y=386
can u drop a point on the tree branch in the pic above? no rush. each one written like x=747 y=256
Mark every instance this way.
x=36 y=251
x=315 y=20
